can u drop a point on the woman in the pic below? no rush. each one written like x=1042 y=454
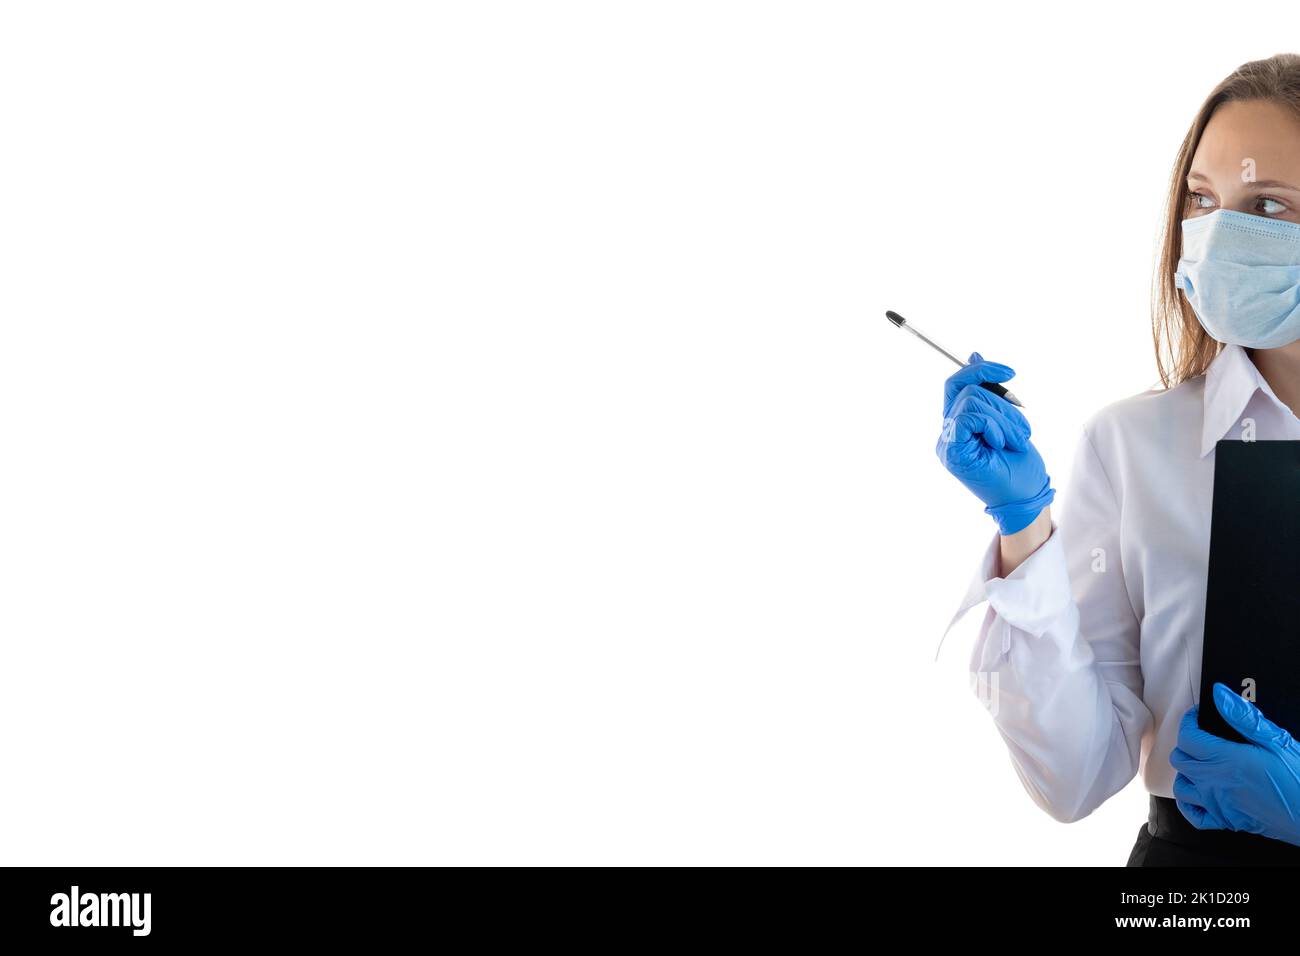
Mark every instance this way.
x=1091 y=647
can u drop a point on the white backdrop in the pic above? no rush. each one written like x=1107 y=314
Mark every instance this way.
x=469 y=433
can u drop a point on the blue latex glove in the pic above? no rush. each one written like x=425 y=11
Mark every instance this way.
x=985 y=444
x=1224 y=785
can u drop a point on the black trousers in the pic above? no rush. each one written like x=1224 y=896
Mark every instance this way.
x=1168 y=839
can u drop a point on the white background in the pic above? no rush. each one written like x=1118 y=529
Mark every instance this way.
x=468 y=432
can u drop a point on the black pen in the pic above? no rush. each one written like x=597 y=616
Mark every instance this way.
x=993 y=387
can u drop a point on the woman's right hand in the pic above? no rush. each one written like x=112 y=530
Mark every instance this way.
x=985 y=445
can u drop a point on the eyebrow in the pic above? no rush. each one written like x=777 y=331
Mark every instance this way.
x=1257 y=184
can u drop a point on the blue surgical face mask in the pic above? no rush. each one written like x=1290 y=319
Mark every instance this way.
x=1241 y=274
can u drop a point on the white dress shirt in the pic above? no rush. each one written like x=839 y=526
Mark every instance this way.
x=1090 y=651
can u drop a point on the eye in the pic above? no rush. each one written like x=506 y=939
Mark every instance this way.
x=1281 y=207
x=1195 y=200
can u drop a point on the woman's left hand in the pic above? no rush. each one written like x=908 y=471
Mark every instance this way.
x=1223 y=785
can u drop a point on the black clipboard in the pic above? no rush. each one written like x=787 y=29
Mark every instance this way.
x=1252 y=593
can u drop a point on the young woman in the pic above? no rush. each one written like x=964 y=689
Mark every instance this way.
x=1091 y=646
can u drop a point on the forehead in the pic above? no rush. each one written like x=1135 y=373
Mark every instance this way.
x=1260 y=130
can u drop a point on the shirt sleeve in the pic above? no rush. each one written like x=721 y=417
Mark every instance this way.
x=1056 y=662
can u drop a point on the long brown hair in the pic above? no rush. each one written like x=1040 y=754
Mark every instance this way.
x=1183 y=348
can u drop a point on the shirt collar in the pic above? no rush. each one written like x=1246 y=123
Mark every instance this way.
x=1230 y=382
